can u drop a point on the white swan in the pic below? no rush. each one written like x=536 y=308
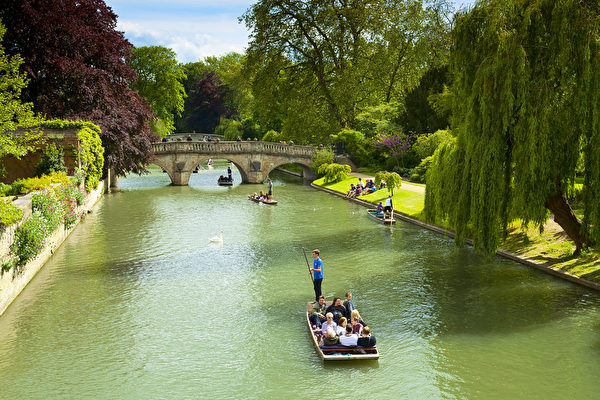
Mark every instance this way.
x=217 y=239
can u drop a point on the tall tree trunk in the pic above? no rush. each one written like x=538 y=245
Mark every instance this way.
x=564 y=216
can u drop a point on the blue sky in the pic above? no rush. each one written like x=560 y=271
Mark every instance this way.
x=194 y=29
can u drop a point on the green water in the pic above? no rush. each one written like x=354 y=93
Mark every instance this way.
x=137 y=304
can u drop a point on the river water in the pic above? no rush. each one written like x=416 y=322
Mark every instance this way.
x=137 y=304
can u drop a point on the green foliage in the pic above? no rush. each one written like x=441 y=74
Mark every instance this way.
x=14 y=113
x=159 y=78
x=426 y=144
x=334 y=172
x=272 y=136
x=229 y=128
x=91 y=155
x=26 y=185
x=70 y=197
x=52 y=160
x=320 y=157
x=420 y=170
x=79 y=177
x=30 y=238
x=9 y=214
x=526 y=95
x=392 y=180
x=50 y=208
x=336 y=59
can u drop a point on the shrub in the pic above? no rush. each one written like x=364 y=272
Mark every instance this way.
x=334 y=172
x=272 y=136
x=320 y=157
x=420 y=170
x=79 y=177
x=70 y=197
x=426 y=144
x=52 y=160
x=91 y=154
x=30 y=238
x=392 y=180
x=23 y=186
x=49 y=206
x=9 y=214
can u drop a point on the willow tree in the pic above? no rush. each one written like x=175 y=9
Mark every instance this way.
x=527 y=107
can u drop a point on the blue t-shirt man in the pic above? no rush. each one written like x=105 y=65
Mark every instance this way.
x=317 y=271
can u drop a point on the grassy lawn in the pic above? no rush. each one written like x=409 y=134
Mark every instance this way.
x=405 y=201
x=551 y=247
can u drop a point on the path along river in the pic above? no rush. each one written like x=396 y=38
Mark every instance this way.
x=137 y=304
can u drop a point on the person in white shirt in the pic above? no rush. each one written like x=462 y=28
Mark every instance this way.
x=328 y=323
x=341 y=328
x=349 y=339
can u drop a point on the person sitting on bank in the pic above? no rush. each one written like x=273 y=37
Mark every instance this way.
x=380 y=210
x=329 y=323
x=348 y=305
x=341 y=326
x=351 y=192
x=349 y=339
x=330 y=338
x=381 y=186
x=366 y=340
x=358 y=191
x=317 y=314
x=337 y=309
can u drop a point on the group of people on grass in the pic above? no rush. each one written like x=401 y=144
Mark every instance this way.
x=339 y=324
x=362 y=188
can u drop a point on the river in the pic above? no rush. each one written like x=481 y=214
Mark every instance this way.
x=137 y=304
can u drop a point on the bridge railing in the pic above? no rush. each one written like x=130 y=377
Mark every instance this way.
x=215 y=148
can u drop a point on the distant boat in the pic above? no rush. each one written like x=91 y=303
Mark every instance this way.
x=224 y=182
x=271 y=202
x=371 y=212
x=338 y=353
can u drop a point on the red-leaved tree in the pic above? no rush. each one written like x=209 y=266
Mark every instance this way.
x=75 y=61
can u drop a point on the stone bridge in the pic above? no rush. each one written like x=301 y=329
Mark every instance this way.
x=254 y=160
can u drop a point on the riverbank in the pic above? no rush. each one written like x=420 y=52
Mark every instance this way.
x=13 y=282
x=549 y=251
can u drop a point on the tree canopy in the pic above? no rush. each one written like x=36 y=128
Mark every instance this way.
x=13 y=113
x=75 y=61
x=159 y=81
x=527 y=107
x=343 y=56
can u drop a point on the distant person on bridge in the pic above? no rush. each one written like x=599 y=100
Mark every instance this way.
x=239 y=139
x=164 y=139
x=189 y=138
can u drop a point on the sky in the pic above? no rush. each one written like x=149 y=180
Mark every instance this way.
x=194 y=29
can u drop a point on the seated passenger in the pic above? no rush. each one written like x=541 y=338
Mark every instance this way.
x=380 y=210
x=349 y=339
x=341 y=328
x=329 y=323
x=337 y=309
x=255 y=196
x=357 y=327
x=366 y=340
x=317 y=314
x=330 y=338
x=355 y=314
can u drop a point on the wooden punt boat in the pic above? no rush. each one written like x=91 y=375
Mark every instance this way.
x=372 y=213
x=224 y=182
x=339 y=353
x=271 y=202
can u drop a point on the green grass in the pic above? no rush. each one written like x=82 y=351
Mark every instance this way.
x=405 y=201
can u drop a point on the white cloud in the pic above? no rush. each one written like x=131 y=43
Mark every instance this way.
x=190 y=39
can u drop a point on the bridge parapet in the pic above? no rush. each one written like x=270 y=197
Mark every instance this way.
x=216 y=148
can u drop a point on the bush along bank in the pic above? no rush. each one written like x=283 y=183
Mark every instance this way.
x=541 y=250
x=27 y=244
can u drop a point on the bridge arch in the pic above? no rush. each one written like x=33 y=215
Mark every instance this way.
x=254 y=160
